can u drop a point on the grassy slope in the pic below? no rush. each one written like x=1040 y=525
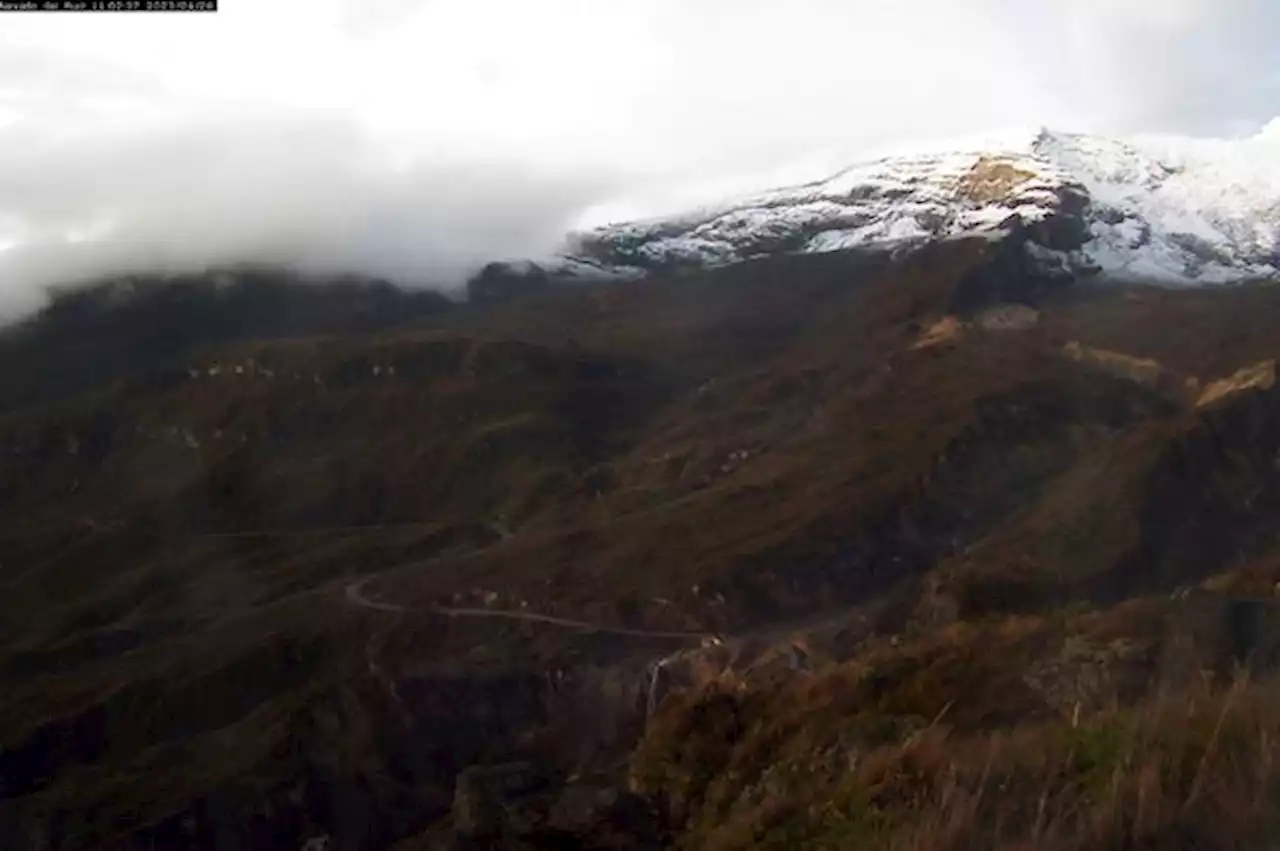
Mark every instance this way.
x=178 y=655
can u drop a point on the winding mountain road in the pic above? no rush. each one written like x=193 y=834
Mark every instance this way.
x=355 y=595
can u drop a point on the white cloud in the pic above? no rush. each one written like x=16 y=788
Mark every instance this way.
x=419 y=137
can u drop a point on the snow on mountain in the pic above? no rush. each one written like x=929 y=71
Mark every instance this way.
x=1178 y=209
x=1152 y=208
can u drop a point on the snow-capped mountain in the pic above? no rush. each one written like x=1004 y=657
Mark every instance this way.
x=1161 y=209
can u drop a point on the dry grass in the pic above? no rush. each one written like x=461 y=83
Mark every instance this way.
x=1197 y=769
x=950 y=740
x=1193 y=771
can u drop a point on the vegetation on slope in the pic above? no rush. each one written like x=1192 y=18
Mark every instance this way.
x=943 y=575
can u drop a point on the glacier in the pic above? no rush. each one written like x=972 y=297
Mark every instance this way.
x=1166 y=210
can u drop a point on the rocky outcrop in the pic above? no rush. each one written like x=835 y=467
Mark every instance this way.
x=1008 y=317
x=499 y=282
x=1015 y=270
x=509 y=279
x=486 y=799
x=1259 y=376
x=514 y=806
x=946 y=331
x=1138 y=370
x=950 y=330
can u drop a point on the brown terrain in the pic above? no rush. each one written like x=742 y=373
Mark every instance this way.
x=865 y=550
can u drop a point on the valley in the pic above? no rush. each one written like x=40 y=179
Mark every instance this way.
x=780 y=553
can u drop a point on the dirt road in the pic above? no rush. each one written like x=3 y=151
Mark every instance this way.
x=355 y=595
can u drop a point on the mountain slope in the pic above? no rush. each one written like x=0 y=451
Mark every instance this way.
x=1159 y=209
x=319 y=586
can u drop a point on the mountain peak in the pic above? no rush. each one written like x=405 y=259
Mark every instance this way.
x=1162 y=209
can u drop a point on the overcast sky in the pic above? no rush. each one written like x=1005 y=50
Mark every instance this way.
x=417 y=138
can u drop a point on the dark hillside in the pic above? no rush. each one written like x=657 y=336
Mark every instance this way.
x=343 y=567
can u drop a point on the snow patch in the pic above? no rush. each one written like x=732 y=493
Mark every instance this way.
x=1164 y=209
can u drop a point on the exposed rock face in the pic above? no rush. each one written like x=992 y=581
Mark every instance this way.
x=1260 y=376
x=596 y=713
x=503 y=281
x=1001 y=317
x=507 y=279
x=514 y=807
x=1083 y=673
x=1137 y=370
x=1016 y=270
x=485 y=798
x=603 y=807
x=1008 y=317
x=946 y=330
